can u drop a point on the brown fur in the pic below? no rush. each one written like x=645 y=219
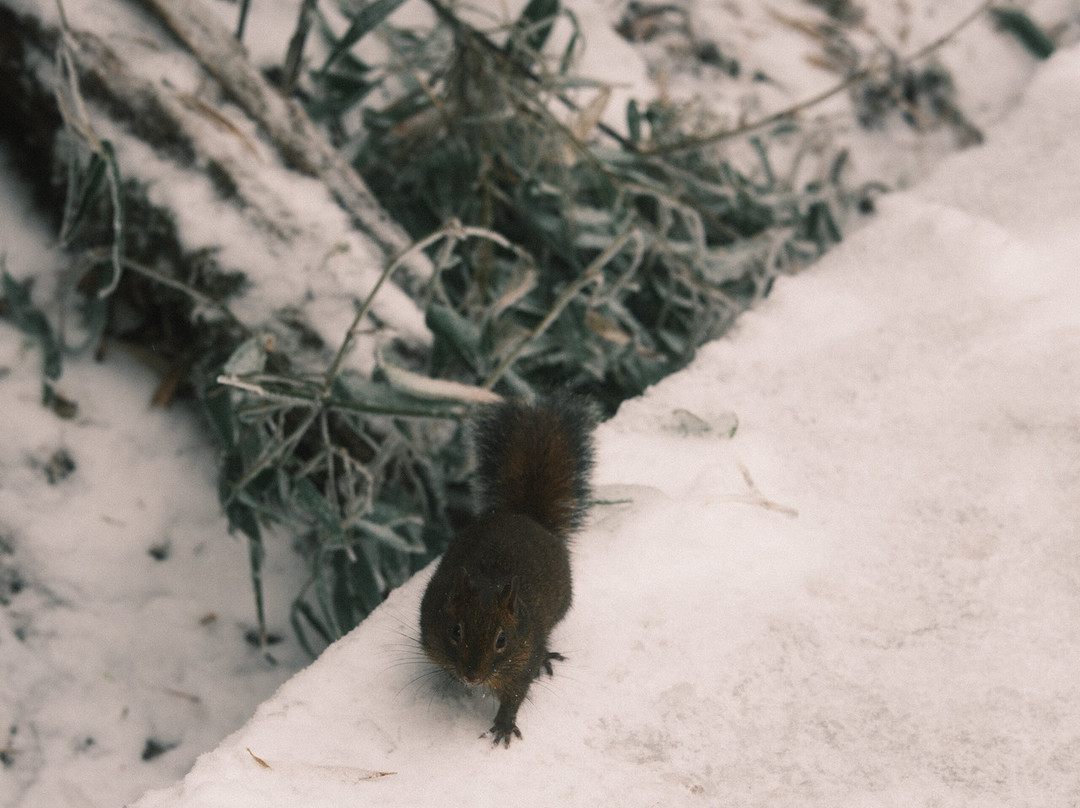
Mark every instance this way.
x=504 y=583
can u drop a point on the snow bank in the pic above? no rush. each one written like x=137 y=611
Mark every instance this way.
x=123 y=600
x=870 y=595
x=119 y=589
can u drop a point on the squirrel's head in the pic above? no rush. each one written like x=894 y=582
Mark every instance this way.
x=477 y=639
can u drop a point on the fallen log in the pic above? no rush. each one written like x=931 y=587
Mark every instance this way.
x=225 y=177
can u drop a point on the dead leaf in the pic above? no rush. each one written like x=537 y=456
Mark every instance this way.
x=258 y=759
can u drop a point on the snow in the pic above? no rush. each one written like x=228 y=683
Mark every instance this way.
x=103 y=647
x=909 y=637
x=868 y=595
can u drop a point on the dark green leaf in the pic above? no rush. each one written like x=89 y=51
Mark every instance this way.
x=341 y=92
x=344 y=598
x=312 y=502
x=301 y=609
x=84 y=197
x=390 y=527
x=456 y=333
x=1021 y=26
x=633 y=121
x=119 y=235
x=244 y=518
x=537 y=19
x=242 y=21
x=821 y=225
x=567 y=60
x=369 y=15
x=32 y=321
x=355 y=394
x=326 y=567
x=365 y=585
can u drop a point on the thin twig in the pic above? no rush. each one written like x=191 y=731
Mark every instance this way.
x=76 y=117
x=190 y=291
x=790 y=112
x=591 y=273
x=755 y=497
x=448 y=16
x=452 y=230
x=354 y=327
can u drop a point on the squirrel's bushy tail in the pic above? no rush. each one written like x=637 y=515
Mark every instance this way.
x=536 y=460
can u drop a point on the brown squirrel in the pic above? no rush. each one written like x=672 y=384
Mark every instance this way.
x=504 y=582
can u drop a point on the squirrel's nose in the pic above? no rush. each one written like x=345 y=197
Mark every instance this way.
x=472 y=678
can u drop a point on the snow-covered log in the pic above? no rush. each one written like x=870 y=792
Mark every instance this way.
x=284 y=121
x=197 y=130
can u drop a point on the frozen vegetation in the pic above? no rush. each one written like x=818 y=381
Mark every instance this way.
x=835 y=560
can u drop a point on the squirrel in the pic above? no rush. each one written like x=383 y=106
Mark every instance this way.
x=504 y=582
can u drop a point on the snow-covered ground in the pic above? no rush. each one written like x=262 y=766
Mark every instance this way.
x=870 y=595
x=124 y=602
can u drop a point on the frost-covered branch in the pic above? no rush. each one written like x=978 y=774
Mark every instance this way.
x=299 y=142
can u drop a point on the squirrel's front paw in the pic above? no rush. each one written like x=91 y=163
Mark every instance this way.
x=547 y=662
x=503 y=732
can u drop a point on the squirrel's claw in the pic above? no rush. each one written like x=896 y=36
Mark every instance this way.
x=547 y=662
x=500 y=734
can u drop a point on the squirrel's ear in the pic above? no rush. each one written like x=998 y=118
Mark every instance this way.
x=508 y=598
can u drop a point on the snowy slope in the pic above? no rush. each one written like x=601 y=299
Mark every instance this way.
x=124 y=600
x=893 y=621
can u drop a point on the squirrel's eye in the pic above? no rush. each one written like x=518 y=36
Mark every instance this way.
x=500 y=641
x=455 y=633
